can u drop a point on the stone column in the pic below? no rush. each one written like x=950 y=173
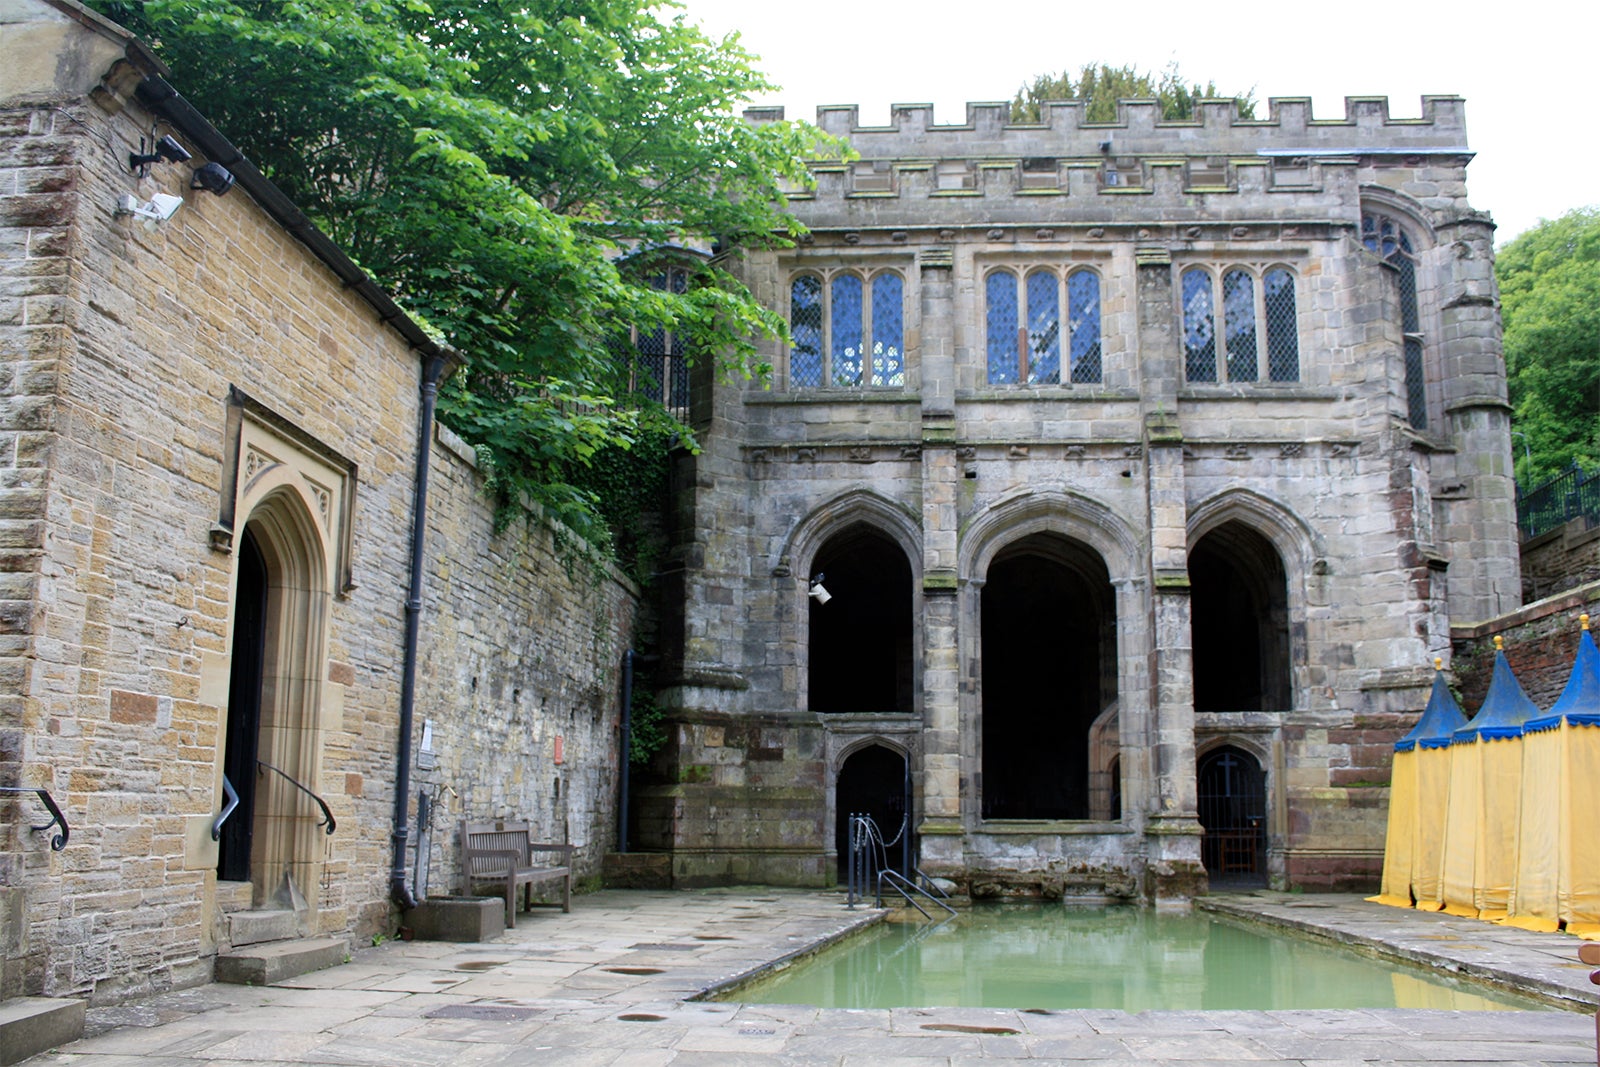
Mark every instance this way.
x=1171 y=824
x=940 y=777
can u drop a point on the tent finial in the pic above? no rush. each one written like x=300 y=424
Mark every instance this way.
x=1438 y=663
x=1499 y=643
x=1583 y=621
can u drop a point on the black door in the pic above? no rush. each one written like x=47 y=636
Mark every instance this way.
x=244 y=708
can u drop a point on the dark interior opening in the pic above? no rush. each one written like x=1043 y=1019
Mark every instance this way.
x=1049 y=668
x=1239 y=618
x=860 y=640
x=1233 y=814
x=873 y=782
x=244 y=708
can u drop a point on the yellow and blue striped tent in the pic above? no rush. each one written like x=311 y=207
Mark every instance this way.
x=1413 y=845
x=1558 y=862
x=1480 y=848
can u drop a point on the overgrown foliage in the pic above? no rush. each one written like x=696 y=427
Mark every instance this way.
x=1550 y=305
x=488 y=161
x=1100 y=86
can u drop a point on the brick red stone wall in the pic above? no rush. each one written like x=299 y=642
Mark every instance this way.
x=1540 y=642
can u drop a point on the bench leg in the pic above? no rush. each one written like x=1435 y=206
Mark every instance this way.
x=511 y=904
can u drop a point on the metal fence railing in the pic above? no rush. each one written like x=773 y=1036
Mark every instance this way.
x=1568 y=495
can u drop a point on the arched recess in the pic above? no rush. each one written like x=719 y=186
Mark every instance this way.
x=1069 y=515
x=873 y=778
x=1048 y=673
x=870 y=550
x=861 y=641
x=1232 y=793
x=287 y=842
x=1248 y=561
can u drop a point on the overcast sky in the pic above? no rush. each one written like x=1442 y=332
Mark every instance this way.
x=1527 y=70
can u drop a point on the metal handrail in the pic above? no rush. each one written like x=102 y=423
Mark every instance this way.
x=905 y=887
x=227 y=809
x=327 y=815
x=59 y=841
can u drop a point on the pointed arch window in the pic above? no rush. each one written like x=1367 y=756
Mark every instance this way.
x=1385 y=237
x=1024 y=326
x=847 y=331
x=1258 y=314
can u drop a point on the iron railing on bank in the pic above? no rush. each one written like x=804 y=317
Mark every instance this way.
x=1553 y=503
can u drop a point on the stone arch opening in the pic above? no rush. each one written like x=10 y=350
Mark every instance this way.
x=1232 y=793
x=1048 y=662
x=243 y=724
x=1239 y=618
x=860 y=642
x=874 y=780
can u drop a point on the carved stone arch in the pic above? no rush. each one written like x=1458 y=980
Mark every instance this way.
x=1403 y=207
x=859 y=744
x=1299 y=546
x=1068 y=514
x=856 y=506
x=1258 y=746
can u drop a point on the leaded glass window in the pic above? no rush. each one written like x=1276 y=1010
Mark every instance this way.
x=1000 y=292
x=1024 y=331
x=656 y=361
x=1083 y=324
x=846 y=319
x=1044 y=328
x=1385 y=237
x=1239 y=324
x=843 y=337
x=1283 y=330
x=1199 y=329
x=888 y=330
x=805 y=330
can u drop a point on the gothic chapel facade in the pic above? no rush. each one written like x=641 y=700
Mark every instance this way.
x=1145 y=467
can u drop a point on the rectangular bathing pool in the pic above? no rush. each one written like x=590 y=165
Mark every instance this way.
x=1131 y=959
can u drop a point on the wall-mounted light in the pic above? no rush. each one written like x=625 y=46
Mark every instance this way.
x=165 y=150
x=162 y=206
x=213 y=177
x=816 y=590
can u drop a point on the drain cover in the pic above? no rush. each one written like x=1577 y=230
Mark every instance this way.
x=664 y=947
x=481 y=1011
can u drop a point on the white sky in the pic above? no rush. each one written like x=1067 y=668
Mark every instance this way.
x=1529 y=71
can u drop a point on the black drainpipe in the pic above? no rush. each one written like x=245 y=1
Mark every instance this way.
x=627 y=753
x=437 y=365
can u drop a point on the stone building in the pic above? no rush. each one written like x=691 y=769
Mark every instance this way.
x=215 y=433
x=1145 y=466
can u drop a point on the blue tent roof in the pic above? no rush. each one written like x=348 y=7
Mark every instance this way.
x=1580 y=700
x=1505 y=707
x=1440 y=719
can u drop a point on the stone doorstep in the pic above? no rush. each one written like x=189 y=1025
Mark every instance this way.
x=254 y=927
x=279 y=960
x=31 y=1025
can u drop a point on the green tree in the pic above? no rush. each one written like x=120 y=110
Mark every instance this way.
x=488 y=161
x=1100 y=86
x=1550 y=306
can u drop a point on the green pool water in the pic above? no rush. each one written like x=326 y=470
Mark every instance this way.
x=1132 y=959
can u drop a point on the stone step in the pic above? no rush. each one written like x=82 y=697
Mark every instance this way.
x=31 y=1025
x=254 y=927
x=234 y=896
x=276 y=961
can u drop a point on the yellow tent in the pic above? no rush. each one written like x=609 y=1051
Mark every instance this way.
x=1412 y=811
x=1558 y=866
x=1480 y=858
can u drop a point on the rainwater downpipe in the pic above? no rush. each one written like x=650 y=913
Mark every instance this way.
x=439 y=363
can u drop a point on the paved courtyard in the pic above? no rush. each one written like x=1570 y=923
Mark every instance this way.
x=608 y=985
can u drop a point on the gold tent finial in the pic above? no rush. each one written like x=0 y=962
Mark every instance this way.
x=1583 y=620
x=1499 y=643
x=1438 y=663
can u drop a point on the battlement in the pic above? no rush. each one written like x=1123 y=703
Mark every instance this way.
x=1291 y=129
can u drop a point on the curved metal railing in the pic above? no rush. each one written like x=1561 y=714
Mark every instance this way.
x=59 y=841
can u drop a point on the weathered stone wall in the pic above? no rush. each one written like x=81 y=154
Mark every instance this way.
x=1560 y=559
x=1365 y=503
x=129 y=360
x=521 y=652
x=1540 y=643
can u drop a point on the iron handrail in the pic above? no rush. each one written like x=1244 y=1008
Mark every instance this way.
x=58 y=841
x=905 y=887
x=326 y=814
x=227 y=809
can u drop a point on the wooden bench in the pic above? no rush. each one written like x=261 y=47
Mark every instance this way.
x=502 y=852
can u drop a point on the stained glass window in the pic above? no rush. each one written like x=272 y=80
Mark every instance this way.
x=888 y=330
x=1239 y=324
x=1000 y=292
x=1083 y=310
x=1199 y=330
x=846 y=320
x=805 y=328
x=1387 y=238
x=1044 y=327
x=1283 y=332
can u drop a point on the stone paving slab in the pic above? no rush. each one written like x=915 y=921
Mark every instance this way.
x=609 y=985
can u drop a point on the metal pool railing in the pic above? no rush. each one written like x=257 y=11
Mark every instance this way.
x=869 y=867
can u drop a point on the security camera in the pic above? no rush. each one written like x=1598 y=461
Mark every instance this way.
x=213 y=177
x=165 y=150
x=817 y=591
x=162 y=206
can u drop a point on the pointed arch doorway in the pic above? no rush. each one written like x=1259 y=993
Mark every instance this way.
x=1233 y=816
x=874 y=780
x=243 y=729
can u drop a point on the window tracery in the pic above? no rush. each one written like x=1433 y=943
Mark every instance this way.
x=1255 y=317
x=1387 y=238
x=848 y=332
x=1024 y=330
